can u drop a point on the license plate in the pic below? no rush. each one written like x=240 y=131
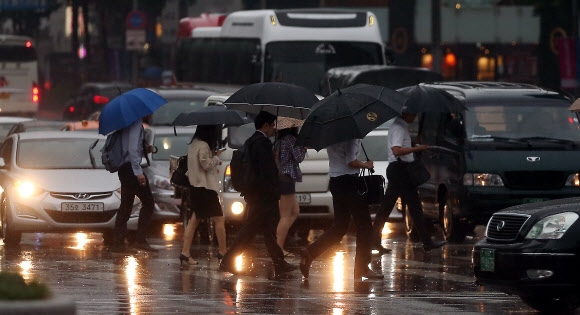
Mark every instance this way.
x=531 y=200
x=82 y=206
x=303 y=198
x=487 y=259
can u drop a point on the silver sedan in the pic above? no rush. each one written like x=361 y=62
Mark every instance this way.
x=48 y=183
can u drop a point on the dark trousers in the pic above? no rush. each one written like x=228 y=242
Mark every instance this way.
x=263 y=217
x=397 y=187
x=129 y=189
x=347 y=203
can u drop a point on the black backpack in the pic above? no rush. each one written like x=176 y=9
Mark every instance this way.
x=179 y=176
x=243 y=175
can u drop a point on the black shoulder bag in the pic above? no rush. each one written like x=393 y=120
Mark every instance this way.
x=369 y=185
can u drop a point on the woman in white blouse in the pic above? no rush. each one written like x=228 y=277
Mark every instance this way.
x=202 y=171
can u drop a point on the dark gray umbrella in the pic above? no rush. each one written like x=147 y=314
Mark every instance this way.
x=426 y=99
x=212 y=115
x=349 y=114
x=277 y=98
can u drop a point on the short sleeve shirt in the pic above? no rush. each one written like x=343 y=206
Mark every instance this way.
x=340 y=154
x=399 y=137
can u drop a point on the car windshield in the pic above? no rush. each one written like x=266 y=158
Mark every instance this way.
x=515 y=120
x=305 y=62
x=238 y=135
x=167 y=113
x=375 y=146
x=168 y=145
x=66 y=153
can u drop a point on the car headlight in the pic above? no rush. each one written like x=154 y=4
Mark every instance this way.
x=573 y=180
x=162 y=182
x=27 y=189
x=552 y=227
x=482 y=179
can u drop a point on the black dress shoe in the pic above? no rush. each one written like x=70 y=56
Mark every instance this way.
x=433 y=245
x=367 y=273
x=305 y=263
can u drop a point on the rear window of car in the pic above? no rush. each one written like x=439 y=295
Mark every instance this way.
x=68 y=153
x=167 y=113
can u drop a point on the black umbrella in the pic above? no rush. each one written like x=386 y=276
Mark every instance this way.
x=349 y=114
x=426 y=99
x=278 y=98
x=212 y=115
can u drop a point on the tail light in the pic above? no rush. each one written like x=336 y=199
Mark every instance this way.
x=101 y=100
x=35 y=93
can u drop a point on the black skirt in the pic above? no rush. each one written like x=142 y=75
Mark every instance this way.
x=205 y=202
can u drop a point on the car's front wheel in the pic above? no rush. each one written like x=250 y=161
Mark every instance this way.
x=10 y=237
x=455 y=230
x=549 y=304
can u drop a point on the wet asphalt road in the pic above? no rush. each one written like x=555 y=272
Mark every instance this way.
x=78 y=266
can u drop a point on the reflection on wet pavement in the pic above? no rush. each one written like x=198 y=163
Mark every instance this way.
x=415 y=282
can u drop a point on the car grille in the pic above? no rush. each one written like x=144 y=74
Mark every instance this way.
x=81 y=196
x=535 y=180
x=505 y=227
x=81 y=217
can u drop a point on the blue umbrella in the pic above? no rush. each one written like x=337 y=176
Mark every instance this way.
x=126 y=108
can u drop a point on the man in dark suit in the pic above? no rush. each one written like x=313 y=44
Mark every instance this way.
x=262 y=199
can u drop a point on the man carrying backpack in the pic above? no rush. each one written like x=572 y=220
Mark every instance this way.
x=261 y=198
x=133 y=183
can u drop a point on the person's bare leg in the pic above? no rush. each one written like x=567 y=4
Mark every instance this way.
x=289 y=210
x=188 y=234
x=220 y=233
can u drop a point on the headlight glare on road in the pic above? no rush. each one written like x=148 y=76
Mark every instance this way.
x=573 y=180
x=482 y=180
x=552 y=227
x=27 y=189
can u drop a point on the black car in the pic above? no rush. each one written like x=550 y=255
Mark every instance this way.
x=514 y=144
x=92 y=97
x=533 y=251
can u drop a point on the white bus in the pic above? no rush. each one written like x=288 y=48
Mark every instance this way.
x=294 y=46
x=19 y=90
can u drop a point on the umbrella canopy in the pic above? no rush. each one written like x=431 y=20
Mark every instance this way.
x=575 y=107
x=278 y=98
x=212 y=115
x=286 y=122
x=349 y=114
x=127 y=108
x=425 y=99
